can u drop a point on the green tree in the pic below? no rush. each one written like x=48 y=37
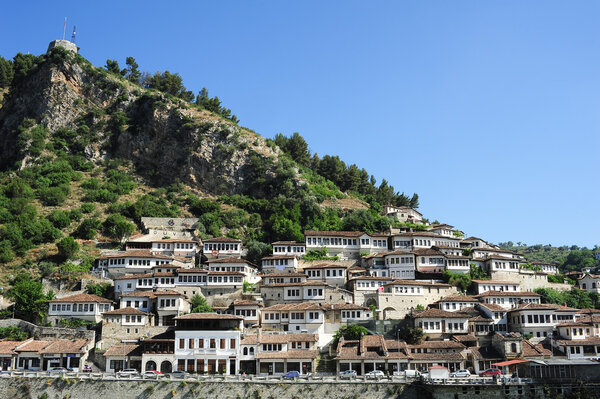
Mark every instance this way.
x=117 y=227
x=113 y=67
x=12 y=333
x=373 y=309
x=351 y=332
x=199 y=305
x=460 y=280
x=132 y=72
x=88 y=229
x=6 y=252
x=100 y=289
x=412 y=335
x=30 y=301
x=170 y=83
x=67 y=247
x=6 y=72
x=257 y=250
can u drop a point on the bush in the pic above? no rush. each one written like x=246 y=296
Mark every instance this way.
x=60 y=219
x=88 y=229
x=117 y=227
x=53 y=196
x=67 y=247
x=88 y=207
x=6 y=253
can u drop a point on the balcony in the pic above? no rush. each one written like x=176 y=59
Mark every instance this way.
x=205 y=351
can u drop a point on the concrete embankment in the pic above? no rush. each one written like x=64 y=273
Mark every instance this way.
x=51 y=388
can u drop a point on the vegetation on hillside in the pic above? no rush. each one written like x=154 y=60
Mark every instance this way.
x=568 y=258
x=574 y=298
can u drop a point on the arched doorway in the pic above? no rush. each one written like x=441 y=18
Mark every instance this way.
x=166 y=367
x=150 y=365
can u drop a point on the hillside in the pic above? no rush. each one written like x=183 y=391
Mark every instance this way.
x=87 y=151
x=568 y=258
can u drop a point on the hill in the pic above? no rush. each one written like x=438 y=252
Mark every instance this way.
x=568 y=258
x=87 y=151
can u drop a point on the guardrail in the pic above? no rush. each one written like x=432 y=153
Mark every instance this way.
x=201 y=377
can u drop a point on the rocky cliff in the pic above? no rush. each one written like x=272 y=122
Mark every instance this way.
x=166 y=139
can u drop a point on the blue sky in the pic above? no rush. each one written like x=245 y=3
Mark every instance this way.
x=489 y=110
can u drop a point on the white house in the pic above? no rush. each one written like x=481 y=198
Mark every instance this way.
x=547 y=267
x=508 y=299
x=453 y=303
x=289 y=248
x=280 y=264
x=136 y=261
x=496 y=285
x=400 y=264
x=403 y=214
x=303 y=317
x=539 y=320
x=589 y=282
x=235 y=265
x=330 y=273
x=436 y=322
x=222 y=247
x=249 y=310
x=208 y=343
x=81 y=306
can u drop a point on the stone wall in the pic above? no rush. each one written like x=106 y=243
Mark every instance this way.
x=529 y=280
x=49 y=332
x=35 y=388
x=114 y=333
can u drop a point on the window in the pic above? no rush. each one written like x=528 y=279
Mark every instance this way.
x=181 y=343
x=191 y=343
x=232 y=343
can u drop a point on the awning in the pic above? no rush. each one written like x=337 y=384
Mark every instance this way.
x=509 y=363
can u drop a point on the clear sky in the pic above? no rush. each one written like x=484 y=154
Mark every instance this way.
x=489 y=110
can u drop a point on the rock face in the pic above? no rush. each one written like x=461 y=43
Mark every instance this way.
x=166 y=139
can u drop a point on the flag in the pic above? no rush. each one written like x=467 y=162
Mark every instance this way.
x=65 y=22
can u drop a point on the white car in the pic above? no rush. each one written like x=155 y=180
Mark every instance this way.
x=127 y=373
x=460 y=374
x=375 y=374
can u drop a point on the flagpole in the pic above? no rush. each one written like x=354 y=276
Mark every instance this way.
x=65 y=28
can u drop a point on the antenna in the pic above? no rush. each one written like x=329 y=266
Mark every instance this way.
x=73 y=35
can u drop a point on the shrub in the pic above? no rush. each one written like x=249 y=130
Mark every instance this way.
x=67 y=247
x=88 y=207
x=88 y=229
x=53 y=196
x=6 y=253
x=60 y=218
x=116 y=226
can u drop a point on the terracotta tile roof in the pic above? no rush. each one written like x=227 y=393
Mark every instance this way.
x=249 y=340
x=169 y=292
x=208 y=316
x=433 y=312
x=531 y=350
x=145 y=294
x=124 y=350
x=428 y=252
x=541 y=306
x=66 y=346
x=128 y=310
x=333 y=233
x=437 y=345
x=219 y=273
x=372 y=278
x=7 y=348
x=194 y=270
x=576 y=342
x=290 y=354
x=506 y=293
x=344 y=306
x=183 y=240
x=134 y=276
x=458 y=298
x=33 y=346
x=494 y=282
x=82 y=298
x=481 y=318
x=222 y=239
x=284 y=338
x=229 y=260
x=141 y=253
x=464 y=338
x=164 y=274
x=242 y=302
x=447 y=357
x=493 y=307
x=293 y=306
x=288 y=243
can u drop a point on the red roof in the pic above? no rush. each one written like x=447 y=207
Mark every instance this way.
x=510 y=362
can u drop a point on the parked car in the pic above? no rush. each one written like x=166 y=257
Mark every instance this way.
x=153 y=373
x=57 y=370
x=291 y=375
x=375 y=374
x=410 y=373
x=127 y=373
x=86 y=369
x=460 y=374
x=179 y=374
x=424 y=375
x=348 y=374
x=490 y=373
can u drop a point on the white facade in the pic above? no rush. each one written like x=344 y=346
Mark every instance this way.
x=289 y=248
x=496 y=285
x=589 y=282
x=279 y=264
